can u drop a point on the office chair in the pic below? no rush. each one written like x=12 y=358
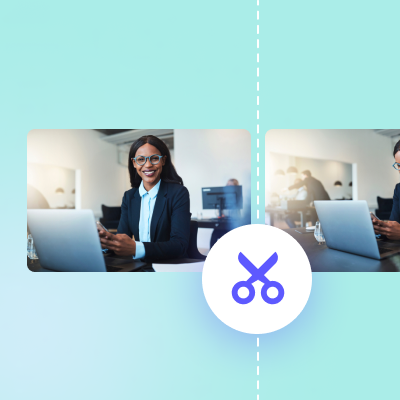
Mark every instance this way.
x=384 y=208
x=111 y=216
x=193 y=251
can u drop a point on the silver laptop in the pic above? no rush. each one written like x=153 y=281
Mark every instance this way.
x=66 y=240
x=347 y=226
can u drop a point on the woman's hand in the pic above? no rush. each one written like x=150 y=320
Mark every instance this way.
x=389 y=228
x=121 y=244
x=105 y=235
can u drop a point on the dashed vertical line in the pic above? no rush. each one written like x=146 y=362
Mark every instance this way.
x=258 y=167
x=258 y=111
x=258 y=368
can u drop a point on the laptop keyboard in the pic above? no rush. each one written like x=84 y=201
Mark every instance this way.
x=110 y=268
x=382 y=250
x=116 y=264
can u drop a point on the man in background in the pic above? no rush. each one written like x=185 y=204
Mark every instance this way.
x=232 y=182
x=301 y=194
x=315 y=188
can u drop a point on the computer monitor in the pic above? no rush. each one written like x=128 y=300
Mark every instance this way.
x=222 y=198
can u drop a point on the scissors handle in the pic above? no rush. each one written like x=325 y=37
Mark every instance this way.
x=277 y=286
x=249 y=287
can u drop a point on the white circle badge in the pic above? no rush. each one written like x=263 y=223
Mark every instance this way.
x=257 y=279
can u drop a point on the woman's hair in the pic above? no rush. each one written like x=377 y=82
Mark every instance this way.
x=168 y=173
x=396 y=148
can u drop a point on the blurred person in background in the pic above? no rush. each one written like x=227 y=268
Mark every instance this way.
x=315 y=188
x=232 y=182
x=301 y=194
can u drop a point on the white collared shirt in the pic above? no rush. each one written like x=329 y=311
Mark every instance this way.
x=146 y=213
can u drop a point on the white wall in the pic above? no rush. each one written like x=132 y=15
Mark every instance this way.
x=210 y=157
x=47 y=179
x=372 y=153
x=103 y=180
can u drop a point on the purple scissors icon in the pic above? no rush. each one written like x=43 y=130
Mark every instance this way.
x=258 y=274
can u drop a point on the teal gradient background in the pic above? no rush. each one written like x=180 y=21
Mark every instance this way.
x=189 y=65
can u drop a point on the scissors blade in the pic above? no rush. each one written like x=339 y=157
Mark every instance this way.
x=247 y=264
x=268 y=264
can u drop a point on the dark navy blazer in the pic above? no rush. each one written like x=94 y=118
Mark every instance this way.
x=395 y=215
x=170 y=222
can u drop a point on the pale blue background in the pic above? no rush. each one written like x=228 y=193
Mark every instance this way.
x=189 y=65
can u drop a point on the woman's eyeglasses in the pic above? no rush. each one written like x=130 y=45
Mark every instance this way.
x=154 y=159
x=396 y=166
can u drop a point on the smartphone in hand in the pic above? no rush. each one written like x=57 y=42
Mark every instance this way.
x=101 y=227
x=374 y=216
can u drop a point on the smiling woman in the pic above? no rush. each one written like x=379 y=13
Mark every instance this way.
x=391 y=228
x=148 y=154
x=155 y=217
